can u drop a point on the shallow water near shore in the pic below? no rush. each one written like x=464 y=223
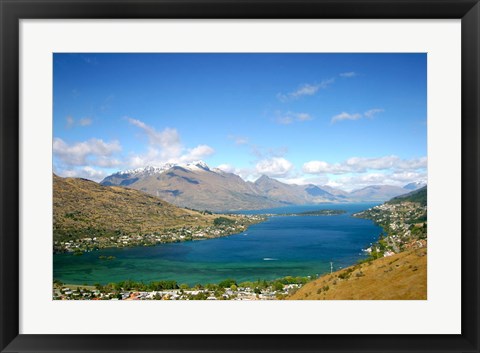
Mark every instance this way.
x=281 y=246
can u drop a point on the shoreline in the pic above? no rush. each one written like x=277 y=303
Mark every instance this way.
x=147 y=240
x=170 y=235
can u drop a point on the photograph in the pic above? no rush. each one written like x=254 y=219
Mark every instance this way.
x=239 y=176
x=294 y=176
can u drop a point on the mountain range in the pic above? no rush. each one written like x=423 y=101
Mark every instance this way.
x=197 y=186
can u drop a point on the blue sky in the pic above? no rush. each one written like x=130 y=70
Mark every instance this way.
x=345 y=120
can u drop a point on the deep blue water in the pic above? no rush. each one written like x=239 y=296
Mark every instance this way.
x=281 y=246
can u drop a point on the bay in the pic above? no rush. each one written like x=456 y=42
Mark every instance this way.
x=281 y=246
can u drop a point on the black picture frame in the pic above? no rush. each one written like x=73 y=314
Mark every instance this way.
x=12 y=11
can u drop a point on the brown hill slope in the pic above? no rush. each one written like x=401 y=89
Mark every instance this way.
x=398 y=277
x=83 y=204
x=87 y=216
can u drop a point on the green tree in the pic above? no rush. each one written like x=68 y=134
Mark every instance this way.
x=227 y=283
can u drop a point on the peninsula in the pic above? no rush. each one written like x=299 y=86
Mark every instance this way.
x=88 y=216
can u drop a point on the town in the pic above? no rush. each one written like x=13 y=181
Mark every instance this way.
x=404 y=227
x=169 y=290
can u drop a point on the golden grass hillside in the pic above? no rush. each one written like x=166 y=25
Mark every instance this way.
x=82 y=207
x=398 y=277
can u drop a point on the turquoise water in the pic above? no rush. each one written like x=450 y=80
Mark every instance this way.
x=281 y=246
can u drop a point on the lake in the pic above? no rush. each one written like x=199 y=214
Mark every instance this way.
x=281 y=246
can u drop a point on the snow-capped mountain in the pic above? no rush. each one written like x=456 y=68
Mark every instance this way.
x=196 y=185
x=151 y=170
x=148 y=170
x=130 y=176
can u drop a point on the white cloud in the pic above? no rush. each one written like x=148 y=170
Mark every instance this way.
x=85 y=122
x=321 y=167
x=167 y=138
x=84 y=172
x=197 y=153
x=353 y=173
x=370 y=113
x=227 y=168
x=360 y=181
x=306 y=89
x=275 y=167
x=291 y=117
x=284 y=120
x=416 y=163
x=304 y=117
x=107 y=103
x=348 y=74
x=70 y=121
x=316 y=167
x=165 y=147
x=261 y=152
x=355 y=116
x=91 y=152
x=362 y=165
x=247 y=174
x=107 y=162
x=138 y=161
x=408 y=177
x=303 y=180
x=346 y=116
x=90 y=60
x=239 y=140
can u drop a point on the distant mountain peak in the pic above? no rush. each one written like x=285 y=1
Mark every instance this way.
x=148 y=170
x=131 y=176
x=263 y=178
x=415 y=185
x=199 y=164
x=151 y=170
x=377 y=192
